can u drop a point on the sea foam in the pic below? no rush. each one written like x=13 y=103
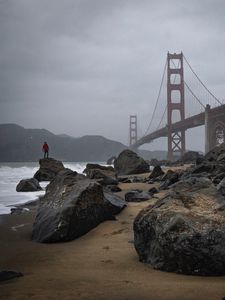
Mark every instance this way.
x=12 y=173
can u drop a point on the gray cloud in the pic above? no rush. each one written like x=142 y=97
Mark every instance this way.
x=82 y=66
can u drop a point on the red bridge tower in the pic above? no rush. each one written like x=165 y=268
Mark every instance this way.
x=175 y=87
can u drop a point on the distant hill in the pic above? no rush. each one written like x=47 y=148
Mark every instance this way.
x=20 y=144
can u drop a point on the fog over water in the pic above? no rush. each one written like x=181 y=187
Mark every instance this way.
x=83 y=66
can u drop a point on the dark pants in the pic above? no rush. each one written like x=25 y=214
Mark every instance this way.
x=46 y=154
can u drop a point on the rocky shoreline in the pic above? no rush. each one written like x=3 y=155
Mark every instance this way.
x=176 y=216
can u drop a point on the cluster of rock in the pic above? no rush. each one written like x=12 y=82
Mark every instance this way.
x=184 y=232
x=49 y=168
x=189 y=157
x=73 y=204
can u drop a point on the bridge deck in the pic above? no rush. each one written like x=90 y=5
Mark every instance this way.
x=191 y=122
x=194 y=121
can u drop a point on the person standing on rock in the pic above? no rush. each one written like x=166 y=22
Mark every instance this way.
x=45 y=149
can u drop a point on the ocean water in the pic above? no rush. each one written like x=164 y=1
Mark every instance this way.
x=12 y=173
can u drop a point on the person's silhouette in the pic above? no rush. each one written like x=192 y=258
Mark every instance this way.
x=45 y=149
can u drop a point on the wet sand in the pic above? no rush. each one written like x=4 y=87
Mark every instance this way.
x=102 y=264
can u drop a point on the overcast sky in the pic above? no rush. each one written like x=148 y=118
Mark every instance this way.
x=83 y=66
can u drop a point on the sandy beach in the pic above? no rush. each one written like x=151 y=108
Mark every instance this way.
x=102 y=264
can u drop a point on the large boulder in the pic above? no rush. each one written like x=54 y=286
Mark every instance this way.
x=28 y=185
x=104 y=175
x=128 y=162
x=184 y=232
x=190 y=157
x=49 y=167
x=216 y=153
x=71 y=207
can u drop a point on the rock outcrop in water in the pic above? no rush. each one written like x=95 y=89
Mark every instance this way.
x=128 y=162
x=72 y=206
x=28 y=185
x=49 y=168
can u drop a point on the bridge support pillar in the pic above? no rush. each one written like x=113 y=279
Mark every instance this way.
x=214 y=127
x=133 y=130
x=175 y=102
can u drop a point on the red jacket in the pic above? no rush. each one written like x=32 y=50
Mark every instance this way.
x=45 y=147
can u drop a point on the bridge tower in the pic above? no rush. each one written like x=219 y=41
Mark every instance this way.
x=133 y=129
x=176 y=140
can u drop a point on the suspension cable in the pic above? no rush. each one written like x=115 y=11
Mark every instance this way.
x=194 y=95
x=202 y=82
x=162 y=118
x=160 y=88
x=191 y=90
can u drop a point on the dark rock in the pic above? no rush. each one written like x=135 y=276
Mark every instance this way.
x=150 y=181
x=71 y=207
x=200 y=160
x=137 y=196
x=168 y=179
x=128 y=162
x=157 y=172
x=215 y=153
x=182 y=233
x=49 y=168
x=113 y=204
x=103 y=176
x=18 y=210
x=124 y=179
x=205 y=167
x=221 y=157
x=191 y=157
x=110 y=161
x=136 y=179
x=9 y=274
x=221 y=187
x=218 y=178
x=98 y=167
x=154 y=162
x=153 y=191
x=191 y=184
x=28 y=185
x=113 y=188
